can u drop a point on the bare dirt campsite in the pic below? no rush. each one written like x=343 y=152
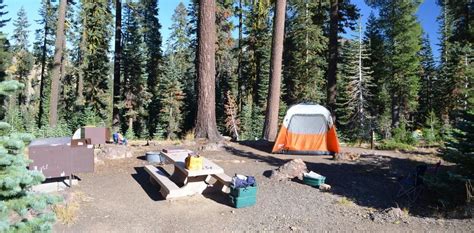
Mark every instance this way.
x=119 y=197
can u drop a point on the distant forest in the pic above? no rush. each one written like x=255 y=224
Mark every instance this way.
x=103 y=62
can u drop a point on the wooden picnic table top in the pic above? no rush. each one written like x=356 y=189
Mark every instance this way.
x=208 y=167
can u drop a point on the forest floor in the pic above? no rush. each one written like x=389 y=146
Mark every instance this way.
x=118 y=196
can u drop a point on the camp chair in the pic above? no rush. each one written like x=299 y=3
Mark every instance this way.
x=411 y=186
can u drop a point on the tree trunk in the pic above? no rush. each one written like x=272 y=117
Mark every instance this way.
x=117 y=56
x=53 y=109
x=206 y=126
x=43 y=68
x=332 y=63
x=239 y=63
x=270 y=127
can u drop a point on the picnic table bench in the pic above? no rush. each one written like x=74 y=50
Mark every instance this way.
x=184 y=182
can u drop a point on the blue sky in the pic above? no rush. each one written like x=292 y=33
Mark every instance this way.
x=427 y=15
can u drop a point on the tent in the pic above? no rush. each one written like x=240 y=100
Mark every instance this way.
x=307 y=129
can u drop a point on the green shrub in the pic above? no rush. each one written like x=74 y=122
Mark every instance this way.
x=61 y=130
x=391 y=144
x=130 y=135
x=446 y=189
x=402 y=135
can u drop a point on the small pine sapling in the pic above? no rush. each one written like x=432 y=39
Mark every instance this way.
x=232 y=121
x=20 y=209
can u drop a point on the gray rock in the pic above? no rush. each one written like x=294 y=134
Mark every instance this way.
x=390 y=215
x=290 y=170
x=112 y=152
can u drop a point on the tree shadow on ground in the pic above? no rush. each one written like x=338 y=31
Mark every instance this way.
x=143 y=179
x=261 y=145
x=372 y=181
x=250 y=155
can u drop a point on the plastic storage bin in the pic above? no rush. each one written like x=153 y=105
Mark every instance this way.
x=314 y=181
x=243 y=197
x=241 y=202
x=244 y=192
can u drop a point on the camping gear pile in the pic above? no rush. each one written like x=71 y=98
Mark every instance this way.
x=243 y=191
x=307 y=129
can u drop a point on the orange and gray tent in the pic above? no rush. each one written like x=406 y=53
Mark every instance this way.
x=307 y=129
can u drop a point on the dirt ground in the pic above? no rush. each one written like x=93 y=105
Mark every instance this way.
x=118 y=196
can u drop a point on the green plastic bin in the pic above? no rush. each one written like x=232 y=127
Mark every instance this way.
x=313 y=181
x=241 y=202
x=244 y=192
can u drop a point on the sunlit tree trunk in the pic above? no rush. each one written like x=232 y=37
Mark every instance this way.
x=56 y=74
x=273 y=101
x=206 y=126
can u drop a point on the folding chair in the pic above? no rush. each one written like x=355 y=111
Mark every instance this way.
x=412 y=186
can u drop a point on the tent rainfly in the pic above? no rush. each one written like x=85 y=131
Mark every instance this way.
x=307 y=129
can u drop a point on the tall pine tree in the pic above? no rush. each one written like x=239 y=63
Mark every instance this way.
x=403 y=38
x=355 y=116
x=150 y=27
x=22 y=57
x=305 y=56
x=430 y=90
x=97 y=33
x=135 y=93
x=172 y=100
x=379 y=101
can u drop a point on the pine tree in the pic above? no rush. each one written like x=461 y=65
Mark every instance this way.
x=429 y=91
x=2 y=13
x=461 y=148
x=305 y=56
x=403 y=37
x=58 y=58
x=457 y=37
x=191 y=87
x=42 y=50
x=226 y=63
x=180 y=47
x=5 y=54
x=20 y=210
x=172 y=100
x=206 y=126
x=377 y=61
x=271 y=114
x=153 y=59
x=358 y=81
x=136 y=95
x=232 y=121
x=256 y=61
x=23 y=59
x=332 y=57
x=458 y=72
x=96 y=26
x=117 y=62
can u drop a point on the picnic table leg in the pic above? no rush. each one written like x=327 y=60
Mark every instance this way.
x=178 y=177
x=195 y=185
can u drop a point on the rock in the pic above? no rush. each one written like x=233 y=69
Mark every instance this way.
x=391 y=215
x=325 y=187
x=112 y=151
x=212 y=146
x=346 y=156
x=290 y=170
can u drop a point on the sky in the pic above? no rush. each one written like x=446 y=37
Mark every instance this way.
x=427 y=14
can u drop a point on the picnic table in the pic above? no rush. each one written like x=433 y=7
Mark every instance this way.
x=184 y=182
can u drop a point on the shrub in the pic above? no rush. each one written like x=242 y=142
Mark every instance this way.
x=391 y=144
